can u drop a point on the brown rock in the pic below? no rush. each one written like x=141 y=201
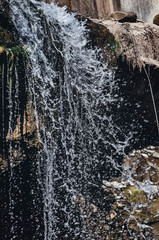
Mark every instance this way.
x=62 y=3
x=91 y=8
x=156 y=19
x=133 y=39
x=47 y=1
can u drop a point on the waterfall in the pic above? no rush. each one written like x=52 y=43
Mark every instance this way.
x=73 y=91
x=145 y=9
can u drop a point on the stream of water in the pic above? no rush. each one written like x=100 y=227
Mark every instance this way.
x=72 y=93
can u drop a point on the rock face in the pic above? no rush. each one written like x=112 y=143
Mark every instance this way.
x=138 y=42
x=17 y=126
x=144 y=9
x=91 y=8
x=19 y=142
x=8 y=34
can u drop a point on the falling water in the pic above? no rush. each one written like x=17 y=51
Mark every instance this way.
x=73 y=92
x=145 y=9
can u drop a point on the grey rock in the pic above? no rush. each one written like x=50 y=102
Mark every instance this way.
x=156 y=155
x=144 y=155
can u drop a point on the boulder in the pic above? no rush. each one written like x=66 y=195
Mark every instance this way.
x=124 y=16
x=156 y=19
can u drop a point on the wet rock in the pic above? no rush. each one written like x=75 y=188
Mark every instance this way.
x=113 y=214
x=29 y=126
x=133 y=39
x=143 y=165
x=155 y=227
x=156 y=154
x=156 y=19
x=149 y=151
x=18 y=141
x=8 y=33
x=134 y=195
x=114 y=184
x=124 y=16
x=94 y=208
x=151 y=147
x=134 y=201
x=134 y=213
x=144 y=155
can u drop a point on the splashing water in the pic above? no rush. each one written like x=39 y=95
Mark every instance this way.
x=73 y=91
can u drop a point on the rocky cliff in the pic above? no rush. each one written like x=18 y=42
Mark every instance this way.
x=102 y=9
x=90 y=8
x=137 y=42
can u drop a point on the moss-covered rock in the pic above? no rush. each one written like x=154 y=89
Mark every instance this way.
x=134 y=195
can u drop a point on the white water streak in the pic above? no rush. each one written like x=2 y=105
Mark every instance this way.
x=72 y=91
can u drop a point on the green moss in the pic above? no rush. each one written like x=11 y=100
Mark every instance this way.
x=134 y=195
x=13 y=54
x=15 y=51
x=113 y=45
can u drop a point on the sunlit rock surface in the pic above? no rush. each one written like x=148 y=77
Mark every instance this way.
x=90 y=8
x=144 y=9
x=138 y=42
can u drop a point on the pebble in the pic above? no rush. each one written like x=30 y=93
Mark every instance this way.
x=113 y=214
x=94 y=208
x=156 y=155
x=132 y=155
x=114 y=184
x=151 y=147
x=144 y=155
x=150 y=151
x=119 y=204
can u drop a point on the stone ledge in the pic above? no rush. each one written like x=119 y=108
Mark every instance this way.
x=138 y=42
